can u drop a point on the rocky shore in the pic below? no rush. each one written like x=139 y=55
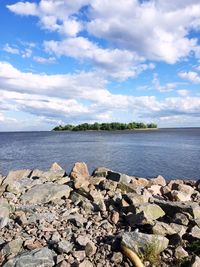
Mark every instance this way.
x=49 y=218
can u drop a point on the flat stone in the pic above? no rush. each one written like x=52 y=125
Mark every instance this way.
x=151 y=211
x=35 y=258
x=64 y=246
x=100 y=172
x=195 y=232
x=138 y=242
x=82 y=240
x=4 y=212
x=143 y=182
x=79 y=255
x=161 y=228
x=86 y=263
x=180 y=196
x=12 y=247
x=186 y=189
x=16 y=175
x=45 y=193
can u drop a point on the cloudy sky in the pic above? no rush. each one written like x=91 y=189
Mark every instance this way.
x=74 y=61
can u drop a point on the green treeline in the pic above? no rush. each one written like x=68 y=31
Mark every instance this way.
x=105 y=126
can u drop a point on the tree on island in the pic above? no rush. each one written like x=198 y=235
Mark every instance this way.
x=105 y=126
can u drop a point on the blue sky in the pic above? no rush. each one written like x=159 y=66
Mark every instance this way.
x=77 y=61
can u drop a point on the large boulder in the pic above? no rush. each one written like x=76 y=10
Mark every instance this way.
x=159 y=180
x=55 y=173
x=14 y=176
x=112 y=175
x=139 y=242
x=45 y=193
x=79 y=169
x=35 y=258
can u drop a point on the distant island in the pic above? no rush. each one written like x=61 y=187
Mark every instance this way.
x=105 y=126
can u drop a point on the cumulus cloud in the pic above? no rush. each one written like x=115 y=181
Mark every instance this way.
x=82 y=97
x=155 y=30
x=120 y=64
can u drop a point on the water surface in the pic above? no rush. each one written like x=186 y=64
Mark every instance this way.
x=173 y=153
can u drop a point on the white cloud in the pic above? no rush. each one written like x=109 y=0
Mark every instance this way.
x=163 y=88
x=190 y=76
x=24 y=8
x=183 y=92
x=11 y=50
x=120 y=64
x=82 y=97
x=43 y=60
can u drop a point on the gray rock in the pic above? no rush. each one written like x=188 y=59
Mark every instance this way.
x=139 y=242
x=36 y=258
x=117 y=258
x=195 y=232
x=90 y=249
x=16 y=175
x=86 y=263
x=4 y=212
x=180 y=218
x=12 y=247
x=159 y=180
x=161 y=228
x=100 y=172
x=45 y=193
x=151 y=211
x=64 y=246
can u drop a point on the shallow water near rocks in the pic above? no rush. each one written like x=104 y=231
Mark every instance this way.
x=173 y=153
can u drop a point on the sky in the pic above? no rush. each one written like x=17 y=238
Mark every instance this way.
x=76 y=61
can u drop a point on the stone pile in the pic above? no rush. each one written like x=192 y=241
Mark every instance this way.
x=48 y=218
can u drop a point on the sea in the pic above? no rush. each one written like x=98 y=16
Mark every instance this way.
x=172 y=153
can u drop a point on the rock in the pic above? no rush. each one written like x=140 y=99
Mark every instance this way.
x=82 y=240
x=115 y=217
x=155 y=190
x=171 y=208
x=178 y=228
x=86 y=263
x=55 y=173
x=180 y=218
x=79 y=255
x=173 y=184
x=151 y=211
x=100 y=172
x=195 y=261
x=138 y=219
x=4 y=212
x=186 y=189
x=161 y=228
x=63 y=264
x=45 y=193
x=64 y=246
x=79 y=169
x=90 y=249
x=21 y=217
x=195 y=232
x=118 y=177
x=12 y=247
x=159 y=180
x=14 y=176
x=56 y=167
x=117 y=258
x=141 y=182
x=35 y=258
x=139 y=242
x=180 y=253
x=179 y=196
x=32 y=244
x=98 y=200
x=135 y=199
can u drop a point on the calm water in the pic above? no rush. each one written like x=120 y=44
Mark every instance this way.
x=173 y=153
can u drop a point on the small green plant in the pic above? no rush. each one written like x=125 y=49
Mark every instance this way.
x=195 y=247
x=150 y=254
